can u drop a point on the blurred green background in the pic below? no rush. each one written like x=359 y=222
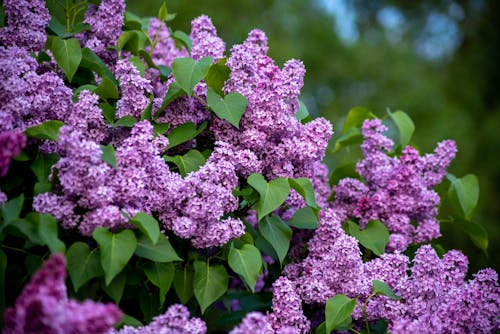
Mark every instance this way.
x=439 y=61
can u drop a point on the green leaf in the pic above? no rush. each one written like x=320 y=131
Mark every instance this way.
x=163 y=12
x=108 y=155
x=76 y=92
x=476 y=232
x=380 y=288
x=58 y=28
x=217 y=75
x=161 y=128
x=209 y=283
x=375 y=236
x=47 y=230
x=343 y=171
x=187 y=163
x=108 y=112
x=350 y=137
x=3 y=286
x=138 y=64
x=83 y=264
x=183 y=133
x=174 y=92
x=107 y=89
x=148 y=225
x=182 y=39
x=356 y=117
x=272 y=194
x=92 y=62
x=304 y=218
x=161 y=275
x=405 y=126
x=302 y=113
x=188 y=72
x=133 y=41
x=116 y=250
x=116 y=287
x=338 y=312
x=183 y=284
x=149 y=304
x=277 y=233
x=126 y=121
x=162 y=251
x=128 y=320
x=304 y=187
x=246 y=262
x=164 y=72
x=12 y=209
x=46 y=130
x=67 y=53
x=463 y=194
x=231 y=107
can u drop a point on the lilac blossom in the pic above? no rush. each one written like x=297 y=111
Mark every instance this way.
x=397 y=190
x=26 y=21
x=133 y=86
x=11 y=144
x=175 y=321
x=43 y=307
x=165 y=50
x=87 y=117
x=254 y=322
x=205 y=39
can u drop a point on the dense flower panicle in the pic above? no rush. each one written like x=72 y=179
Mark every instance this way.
x=174 y=321
x=43 y=307
x=287 y=307
x=133 y=86
x=205 y=39
x=87 y=117
x=397 y=190
x=26 y=21
x=11 y=144
x=165 y=50
x=255 y=323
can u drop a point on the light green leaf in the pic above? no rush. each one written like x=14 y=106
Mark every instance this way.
x=217 y=75
x=163 y=12
x=47 y=230
x=302 y=113
x=304 y=218
x=182 y=39
x=161 y=275
x=83 y=264
x=108 y=154
x=375 y=236
x=463 y=194
x=116 y=250
x=356 y=117
x=148 y=225
x=350 y=137
x=209 y=283
x=304 y=187
x=231 y=107
x=188 y=72
x=272 y=194
x=246 y=262
x=187 y=163
x=183 y=133
x=405 y=126
x=126 y=121
x=380 y=288
x=46 y=130
x=162 y=251
x=277 y=233
x=183 y=284
x=67 y=53
x=338 y=312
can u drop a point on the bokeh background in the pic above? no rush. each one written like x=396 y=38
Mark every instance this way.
x=437 y=60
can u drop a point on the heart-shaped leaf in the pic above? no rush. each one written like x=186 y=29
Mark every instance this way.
x=230 y=107
x=272 y=194
x=338 y=312
x=246 y=262
x=380 y=288
x=188 y=72
x=148 y=225
x=83 y=264
x=209 y=283
x=67 y=53
x=375 y=236
x=277 y=233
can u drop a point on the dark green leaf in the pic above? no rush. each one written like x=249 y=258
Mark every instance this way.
x=183 y=284
x=405 y=126
x=116 y=287
x=92 y=62
x=304 y=187
x=187 y=163
x=58 y=28
x=12 y=209
x=277 y=233
x=83 y=264
x=338 y=312
x=68 y=54
x=116 y=250
x=107 y=89
x=183 y=133
x=343 y=171
x=47 y=230
x=126 y=121
x=164 y=72
x=128 y=320
x=302 y=113
x=149 y=304
x=304 y=218
x=47 y=130
x=108 y=155
x=161 y=275
x=380 y=288
x=463 y=194
x=42 y=187
x=133 y=41
x=272 y=194
x=3 y=269
x=148 y=225
x=246 y=262
x=356 y=117
x=350 y=137
x=231 y=107
x=108 y=112
x=162 y=251
x=161 y=128
x=182 y=39
x=188 y=72
x=209 y=283
x=375 y=236
x=174 y=92
x=218 y=73
x=476 y=232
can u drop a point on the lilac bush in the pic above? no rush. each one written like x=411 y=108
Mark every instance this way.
x=181 y=186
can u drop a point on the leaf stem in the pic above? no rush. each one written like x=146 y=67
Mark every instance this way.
x=364 y=311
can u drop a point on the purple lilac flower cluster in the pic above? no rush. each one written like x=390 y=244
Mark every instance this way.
x=175 y=320
x=43 y=307
x=11 y=144
x=398 y=191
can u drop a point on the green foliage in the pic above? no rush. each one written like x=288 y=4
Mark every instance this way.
x=304 y=187
x=374 y=236
x=183 y=133
x=183 y=284
x=338 y=312
x=246 y=262
x=108 y=155
x=380 y=288
x=304 y=218
x=67 y=53
x=188 y=72
x=187 y=163
x=464 y=194
x=83 y=264
x=272 y=194
x=47 y=130
x=161 y=275
x=230 y=107
x=277 y=233
x=217 y=74
x=147 y=225
x=209 y=283
x=404 y=125
x=161 y=251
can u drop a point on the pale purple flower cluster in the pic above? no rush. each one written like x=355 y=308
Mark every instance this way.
x=133 y=86
x=398 y=191
x=86 y=117
x=26 y=21
x=44 y=307
x=11 y=144
x=205 y=39
x=258 y=323
x=26 y=97
x=174 y=321
x=165 y=50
